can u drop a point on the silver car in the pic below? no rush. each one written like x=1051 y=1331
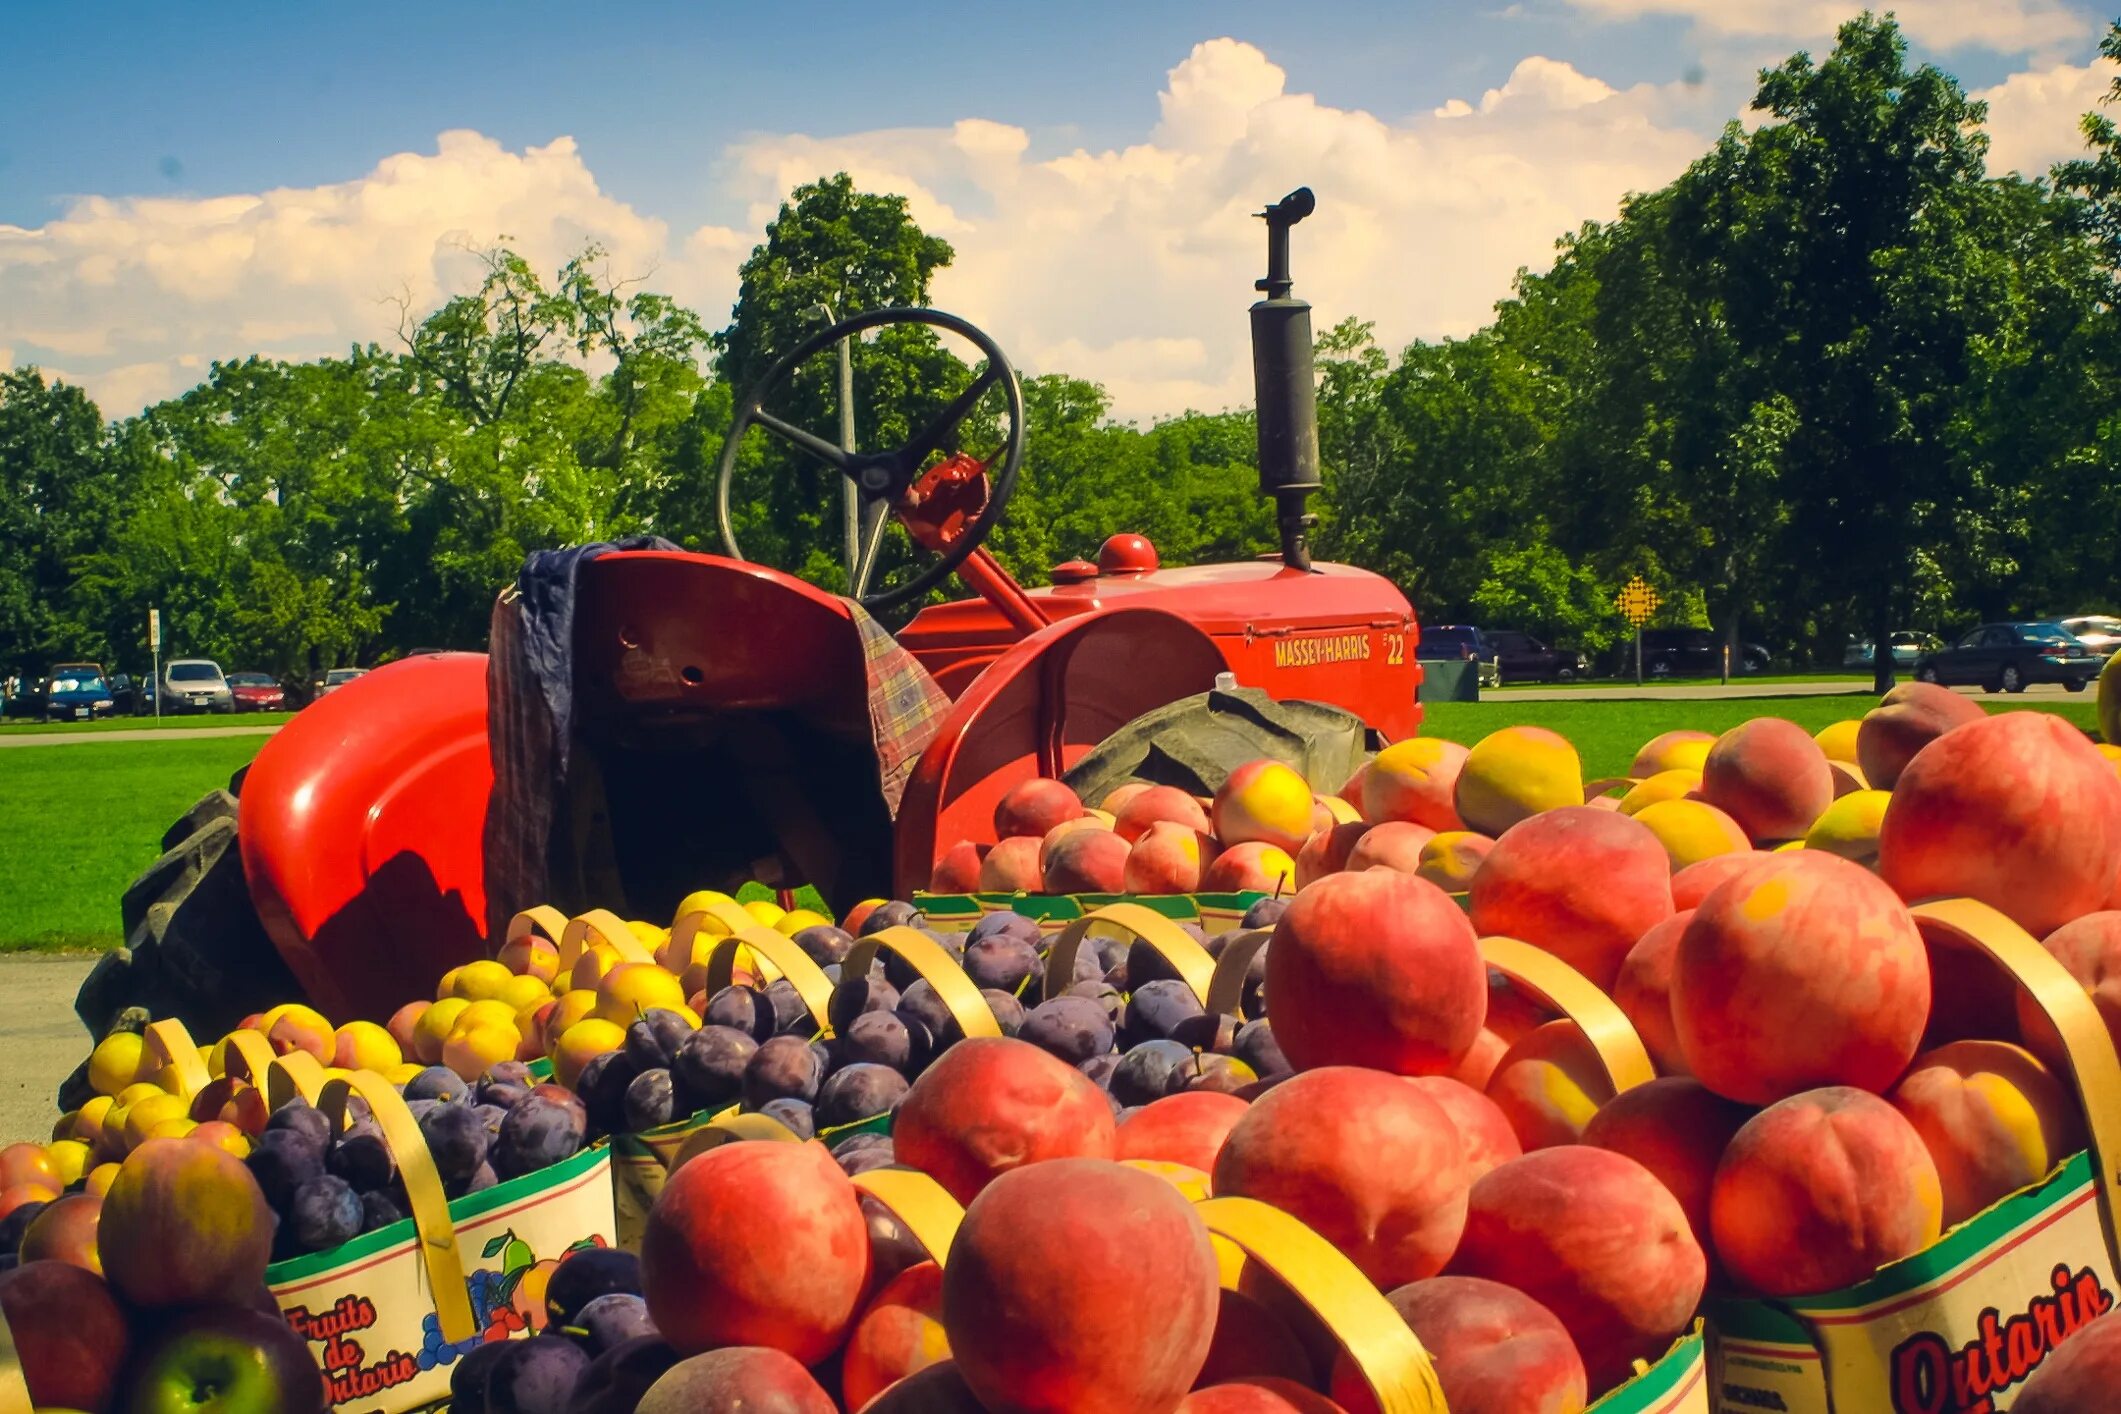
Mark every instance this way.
x=1907 y=646
x=194 y=685
x=2099 y=632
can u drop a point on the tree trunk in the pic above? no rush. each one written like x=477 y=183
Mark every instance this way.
x=1882 y=644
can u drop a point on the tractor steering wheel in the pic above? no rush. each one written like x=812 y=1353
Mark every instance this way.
x=951 y=508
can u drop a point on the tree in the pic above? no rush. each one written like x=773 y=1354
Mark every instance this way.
x=57 y=503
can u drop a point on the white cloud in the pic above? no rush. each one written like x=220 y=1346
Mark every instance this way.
x=2004 y=26
x=2033 y=116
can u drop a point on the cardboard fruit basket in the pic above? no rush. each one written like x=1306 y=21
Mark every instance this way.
x=1960 y=1325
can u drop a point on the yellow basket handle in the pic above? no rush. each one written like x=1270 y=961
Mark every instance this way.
x=727 y=918
x=787 y=959
x=1376 y=1339
x=607 y=927
x=293 y=1076
x=539 y=917
x=1605 y=784
x=2094 y=1070
x=922 y=1206
x=1226 y=988
x=926 y=956
x=254 y=1051
x=1138 y=924
x=1550 y=980
x=728 y=1127
x=169 y=1040
x=423 y=1191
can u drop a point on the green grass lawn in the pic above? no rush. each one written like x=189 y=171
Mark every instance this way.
x=189 y=721
x=1618 y=684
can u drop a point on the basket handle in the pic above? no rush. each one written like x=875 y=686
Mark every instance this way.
x=1376 y=1339
x=1143 y=925
x=607 y=927
x=1620 y=1051
x=723 y=917
x=2094 y=1070
x=728 y=1127
x=926 y=956
x=541 y=917
x=1226 y=988
x=922 y=1206
x=785 y=957
x=179 y=1052
x=254 y=1051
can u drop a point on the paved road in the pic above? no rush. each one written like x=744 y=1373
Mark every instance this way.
x=1680 y=692
x=129 y=734
x=41 y=1040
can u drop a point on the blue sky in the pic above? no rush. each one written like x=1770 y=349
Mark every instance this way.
x=137 y=139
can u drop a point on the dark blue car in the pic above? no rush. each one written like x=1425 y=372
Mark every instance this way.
x=76 y=695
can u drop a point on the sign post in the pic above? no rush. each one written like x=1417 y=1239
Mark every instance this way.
x=154 y=646
x=1636 y=602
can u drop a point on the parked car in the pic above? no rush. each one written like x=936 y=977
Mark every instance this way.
x=1907 y=646
x=1444 y=642
x=1691 y=652
x=2099 y=632
x=337 y=678
x=256 y=692
x=75 y=692
x=194 y=685
x=131 y=696
x=2009 y=657
x=1523 y=658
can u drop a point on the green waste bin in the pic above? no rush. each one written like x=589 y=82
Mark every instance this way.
x=1449 y=680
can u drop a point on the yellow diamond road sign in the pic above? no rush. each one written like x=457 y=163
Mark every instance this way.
x=1637 y=601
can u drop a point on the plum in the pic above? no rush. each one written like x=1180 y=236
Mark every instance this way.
x=1002 y=921
x=362 y=1157
x=922 y=1003
x=1206 y=1070
x=419 y=1109
x=1156 y=1011
x=611 y=1320
x=1002 y=961
x=1265 y=913
x=467 y=1378
x=892 y=1247
x=1145 y=965
x=458 y=1141
x=879 y=1038
x=536 y=1377
x=653 y=1039
x=744 y=1009
x=584 y=1275
x=1104 y=994
x=1146 y=1071
x=1257 y=1048
x=855 y=995
x=501 y=1094
x=783 y=1068
x=850 y=1143
x=379 y=1210
x=490 y=1116
x=282 y=1161
x=893 y=913
x=794 y=1115
x=480 y=1179
x=1075 y=1028
x=1211 y=1031
x=710 y=1064
x=791 y=1015
x=1008 y=1011
x=537 y=1133
x=17 y=1222
x=1101 y=1069
x=902 y=974
x=824 y=944
x=651 y=1101
x=617 y=1380
x=508 y=1072
x=858 y=1092
x=324 y=1213
x=602 y=1086
x=303 y=1118
x=438 y=1082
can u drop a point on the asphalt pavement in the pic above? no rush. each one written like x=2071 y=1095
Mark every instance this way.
x=41 y=1040
x=1701 y=691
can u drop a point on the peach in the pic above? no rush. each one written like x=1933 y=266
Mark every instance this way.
x=1451 y=859
x=1514 y=774
x=898 y=1332
x=184 y=1224
x=1351 y=792
x=957 y=869
x=1264 y=802
x=1495 y=1349
x=1011 y=867
x=1477 y=1066
x=403 y=1025
x=1993 y=1118
x=1415 y=780
x=1838 y=740
x=1116 y=799
x=1261 y=1395
x=1133 y=819
x=1672 y=751
x=2079 y=1374
x=1188 y=1128
x=1820 y=1190
x=582 y=1043
x=474 y=1050
x=1080 y=1286
x=1849 y=827
x=1906 y=719
x=530 y=955
x=70 y=1334
x=19 y=1194
x=1033 y=807
x=938 y=1389
x=66 y=1232
x=1643 y=990
x=1326 y=852
x=2090 y=950
x=1083 y=861
x=28 y=1163
x=1665 y=785
x=2017 y=810
x=1594 y=1237
x=1582 y=884
x=1548 y=1085
x=298 y=1032
x=1770 y=776
x=707 y=1284
x=1677 y=1129
x=1804 y=971
x=737 y=1377
x=1375 y=969
x=991 y=1103
x=1698 y=880
x=1693 y=830
x=1396 y=845
x=1370 y=1163
x=1168 y=857
x=1485 y=1137
x=1252 y=867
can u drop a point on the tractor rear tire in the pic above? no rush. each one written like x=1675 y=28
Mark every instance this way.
x=1196 y=742
x=194 y=947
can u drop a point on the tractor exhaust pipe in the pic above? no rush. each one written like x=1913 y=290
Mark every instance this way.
x=1285 y=392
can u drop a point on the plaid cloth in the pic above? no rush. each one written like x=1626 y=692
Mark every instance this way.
x=905 y=706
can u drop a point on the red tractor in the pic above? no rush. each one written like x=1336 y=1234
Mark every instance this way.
x=682 y=720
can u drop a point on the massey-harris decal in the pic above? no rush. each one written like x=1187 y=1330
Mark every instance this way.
x=1929 y=1377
